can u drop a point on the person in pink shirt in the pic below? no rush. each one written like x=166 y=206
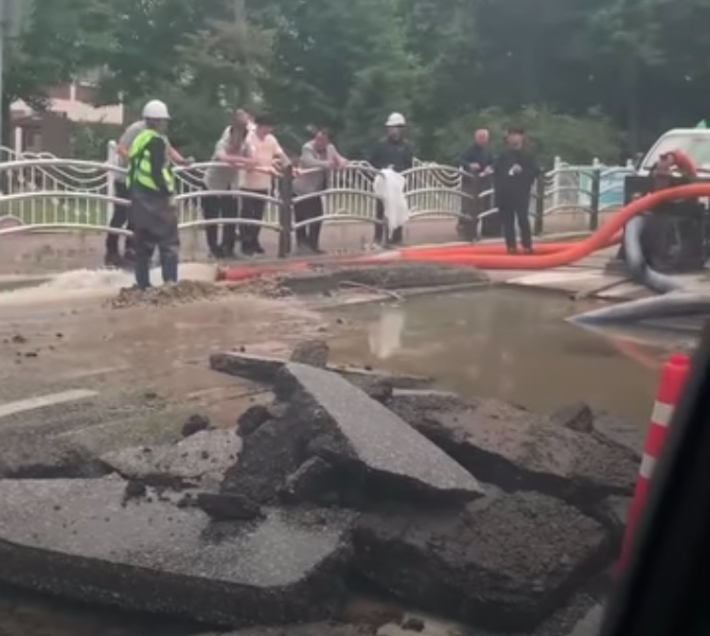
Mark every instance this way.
x=266 y=152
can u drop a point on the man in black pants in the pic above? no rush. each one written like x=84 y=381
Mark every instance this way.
x=318 y=158
x=119 y=217
x=232 y=151
x=391 y=152
x=514 y=173
x=265 y=151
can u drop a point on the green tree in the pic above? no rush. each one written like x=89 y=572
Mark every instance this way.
x=551 y=134
x=59 y=36
x=339 y=64
x=199 y=57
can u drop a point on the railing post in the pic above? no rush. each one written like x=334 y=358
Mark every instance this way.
x=595 y=197
x=286 y=211
x=538 y=224
x=470 y=187
x=556 y=181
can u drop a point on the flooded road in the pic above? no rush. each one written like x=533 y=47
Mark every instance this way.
x=510 y=344
x=147 y=367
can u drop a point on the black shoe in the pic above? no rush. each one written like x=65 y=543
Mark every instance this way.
x=512 y=250
x=258 y=249
x=528 y=250
x=248 y=250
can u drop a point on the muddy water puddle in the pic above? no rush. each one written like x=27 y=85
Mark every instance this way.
x=499 y=343
x=510 y=344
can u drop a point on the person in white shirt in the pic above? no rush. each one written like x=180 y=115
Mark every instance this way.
x=265 y=151
x=231 y=151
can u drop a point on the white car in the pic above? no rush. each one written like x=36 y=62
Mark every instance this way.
x=695 y=142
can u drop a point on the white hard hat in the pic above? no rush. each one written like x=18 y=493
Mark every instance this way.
x=396 y=119
x=155 y=109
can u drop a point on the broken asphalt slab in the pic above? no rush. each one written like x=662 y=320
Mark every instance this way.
x=505 y=563
x=30 y=455
x=383 y=276
x=201 y=459
x=265 y=369
x=367 y=445
x=80 y=540
x=515 y=449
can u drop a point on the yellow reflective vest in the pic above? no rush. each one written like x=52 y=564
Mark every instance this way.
x=139 y=170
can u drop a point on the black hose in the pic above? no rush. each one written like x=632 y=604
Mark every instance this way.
x=674 y=305
x=641 y=272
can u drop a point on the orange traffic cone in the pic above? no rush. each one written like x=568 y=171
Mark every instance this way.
x=673 y=376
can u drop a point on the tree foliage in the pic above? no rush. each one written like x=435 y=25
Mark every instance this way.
x=586 y=76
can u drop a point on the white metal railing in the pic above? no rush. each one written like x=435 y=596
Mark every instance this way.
x=46 y=192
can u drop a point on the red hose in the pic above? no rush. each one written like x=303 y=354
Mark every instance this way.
x=581 y=250
x=548 y=255
x=493 y=248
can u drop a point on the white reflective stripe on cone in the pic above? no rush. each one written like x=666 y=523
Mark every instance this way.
x=648 y=463
x=662 y=413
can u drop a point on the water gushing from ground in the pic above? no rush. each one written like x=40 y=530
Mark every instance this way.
x=90 y=283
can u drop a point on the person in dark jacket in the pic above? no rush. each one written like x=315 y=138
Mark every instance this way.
x=477 y=158
x=514 y=172
x=394 y=152
x=477 y=161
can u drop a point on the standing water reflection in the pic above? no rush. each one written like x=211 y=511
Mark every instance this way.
x=510 y=344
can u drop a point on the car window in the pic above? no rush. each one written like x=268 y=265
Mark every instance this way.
x=696 y=146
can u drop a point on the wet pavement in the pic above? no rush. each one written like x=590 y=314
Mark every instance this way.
x=144 y=371
x=510 y=344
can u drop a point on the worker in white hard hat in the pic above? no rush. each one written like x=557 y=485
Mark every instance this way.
x=119 y=217
x=151 y=186
x=394 y=152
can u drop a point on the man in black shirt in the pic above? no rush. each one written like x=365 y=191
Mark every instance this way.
x=477 y=158
x=391 y=152
x=476 y=162
x=514 y=173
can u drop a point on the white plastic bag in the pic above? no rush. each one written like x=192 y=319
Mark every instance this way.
x=389 y=187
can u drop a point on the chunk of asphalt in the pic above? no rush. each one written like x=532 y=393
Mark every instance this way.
x=262 y=369
x=269 y=455
x=309 y=482
x=613 y=513
x=312 y=352
x=504 y=563
x=518 y=450
x=577 y=416
x=194 y=424
x=152 y=556
x=252 y=419
x=617 y=431
x=224 y=507
x=366 y=378
x=360 y=435
x=33 y=455
x=201 y=459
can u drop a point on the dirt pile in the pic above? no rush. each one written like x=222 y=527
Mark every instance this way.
x=184 y=291
x=265 y=287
